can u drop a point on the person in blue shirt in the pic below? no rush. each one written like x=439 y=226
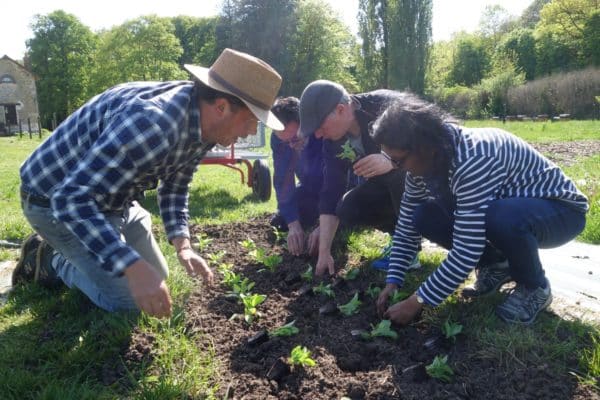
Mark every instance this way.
x=79 y=188
x=295 y=158
x=484 y=194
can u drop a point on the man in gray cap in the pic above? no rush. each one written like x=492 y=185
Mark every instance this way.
x=79 y=188
x=353 y=161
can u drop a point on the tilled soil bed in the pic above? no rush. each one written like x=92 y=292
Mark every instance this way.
x=346 y=365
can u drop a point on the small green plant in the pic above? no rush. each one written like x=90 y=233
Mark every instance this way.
x=308 y=274
x=300 y=356
x=451 y=329
x=347 y=152
x=383 y=329
x=272 y=261
x=203 y=241
x=250 y=302
x=350 y=307
x=373 y=291
x=215 y=258
x=324 y=290
x=259 y=254
x=230 y=278
x=223 y=267
x=285 y=330
x=439 y=369
x=352 y=274
x=248 y=244
x=241 y=287
x=280 y=236
x=397 y=296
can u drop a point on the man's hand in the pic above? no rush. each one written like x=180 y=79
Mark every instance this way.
x=405 y=311
x=148 y=289
x=313 y=242
x=194 y=265
x=325 y=264
x=372 y=165
x=295 y=238
x=384 y=296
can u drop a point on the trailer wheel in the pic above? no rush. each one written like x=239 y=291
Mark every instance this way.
x=261 y=180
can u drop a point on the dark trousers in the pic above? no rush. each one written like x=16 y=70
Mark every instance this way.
x=374 y=203
x=308 y=210
x=515 y=229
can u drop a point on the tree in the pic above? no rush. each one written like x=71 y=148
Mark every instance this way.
x=519 y=47
x=591 y=35
x=60 y=55
x=143 y=49
x=197 y=38
x=531 y=15
x=470 y=61
x=372 y=70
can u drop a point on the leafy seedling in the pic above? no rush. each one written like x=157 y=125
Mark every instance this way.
x=352 y=274
x=203 y=241
x=308 y=274
x=215 y=258
x=272 y=261
x=230 y=278
x=250 y=302
x=285 y=330
x=280 y=236
x=383 y=329
x=351 y=307
x=347 y=152
x=324 y=290
x=225 y=267
x=242 y=287
x=248 y=244
x=258 y=254
x=439 y=369
x=373 y=291
x=451 y=329
x=300 y=356
x=397 y=296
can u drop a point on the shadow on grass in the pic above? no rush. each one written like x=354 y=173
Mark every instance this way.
x=59 y=345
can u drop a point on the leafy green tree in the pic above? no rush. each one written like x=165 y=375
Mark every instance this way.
x=143 y=49
x=519 y=47
x=372 y=71
x=591 y=39
x=197 y=37
x=470 y=62
x=531 y=15
x=60 y=55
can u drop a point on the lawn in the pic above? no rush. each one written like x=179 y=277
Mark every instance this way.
x=54 y=344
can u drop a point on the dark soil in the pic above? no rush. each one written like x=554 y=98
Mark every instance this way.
x=567 y=153
x=346 y=365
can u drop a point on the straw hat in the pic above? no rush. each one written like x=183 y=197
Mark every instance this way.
x=246 y=77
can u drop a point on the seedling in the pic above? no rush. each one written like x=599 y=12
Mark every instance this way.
x=398 y=296
x=280 y=236
x=352 y=274
x=224 y=267
x=230 y=278
x=347 y=152
x=451 y=329
x=242 y=287
x=383 y=329
x=351 y=307
x=308 y=274
x=215 y=258
x=285 y=330
x=324 y=290
x=300 y=356
x=251 y=301
x=439 y=369
x=203 y=241
x=248 y=244
x=272 y=261
x=258 y=253
x=373 y=291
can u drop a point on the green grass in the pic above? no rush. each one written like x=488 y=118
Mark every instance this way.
x=545 y=131
x=54 y=344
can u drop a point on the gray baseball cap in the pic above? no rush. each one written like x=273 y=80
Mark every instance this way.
x=318 y=99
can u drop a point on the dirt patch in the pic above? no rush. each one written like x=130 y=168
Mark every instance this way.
x=346 y=365
x=568 y=153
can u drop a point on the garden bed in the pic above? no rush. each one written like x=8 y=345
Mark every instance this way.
x=346 y=365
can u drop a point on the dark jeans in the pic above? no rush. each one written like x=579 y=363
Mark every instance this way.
x=374 y=203
x=515 y=228
x=308 y=210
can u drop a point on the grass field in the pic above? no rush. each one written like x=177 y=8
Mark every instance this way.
x=70 y=363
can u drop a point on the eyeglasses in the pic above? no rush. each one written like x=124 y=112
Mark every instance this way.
x=396 y=163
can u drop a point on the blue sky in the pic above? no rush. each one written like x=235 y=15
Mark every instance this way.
x=449 y=16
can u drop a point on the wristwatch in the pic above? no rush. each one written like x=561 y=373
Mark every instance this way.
x=420 y=300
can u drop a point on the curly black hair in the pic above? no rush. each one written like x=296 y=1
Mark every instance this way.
x=287 y=109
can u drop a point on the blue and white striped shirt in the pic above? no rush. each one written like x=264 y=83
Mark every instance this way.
x=109 y=151
x=489 y=164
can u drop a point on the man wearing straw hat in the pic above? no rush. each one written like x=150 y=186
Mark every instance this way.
x=79 y=188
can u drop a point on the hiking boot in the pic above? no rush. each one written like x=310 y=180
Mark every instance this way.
x=523 y=305
x=25 y=269
x=489 y=280
x=35 y=263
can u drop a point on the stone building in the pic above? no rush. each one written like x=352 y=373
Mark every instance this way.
x=18 y=98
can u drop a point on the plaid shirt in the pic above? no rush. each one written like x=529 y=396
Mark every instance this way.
x=108 y=152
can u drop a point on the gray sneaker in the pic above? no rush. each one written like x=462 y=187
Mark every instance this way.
x=523 y=305
x=489 y=280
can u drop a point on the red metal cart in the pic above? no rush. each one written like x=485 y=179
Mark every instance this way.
x=258 y=173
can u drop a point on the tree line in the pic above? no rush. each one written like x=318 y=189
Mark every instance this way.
x=305 y=40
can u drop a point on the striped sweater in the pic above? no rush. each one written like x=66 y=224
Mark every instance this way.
x=488 y=164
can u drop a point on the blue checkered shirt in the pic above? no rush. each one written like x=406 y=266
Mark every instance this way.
x=104 y=156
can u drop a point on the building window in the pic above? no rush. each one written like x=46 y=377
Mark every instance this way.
x=7 y=79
